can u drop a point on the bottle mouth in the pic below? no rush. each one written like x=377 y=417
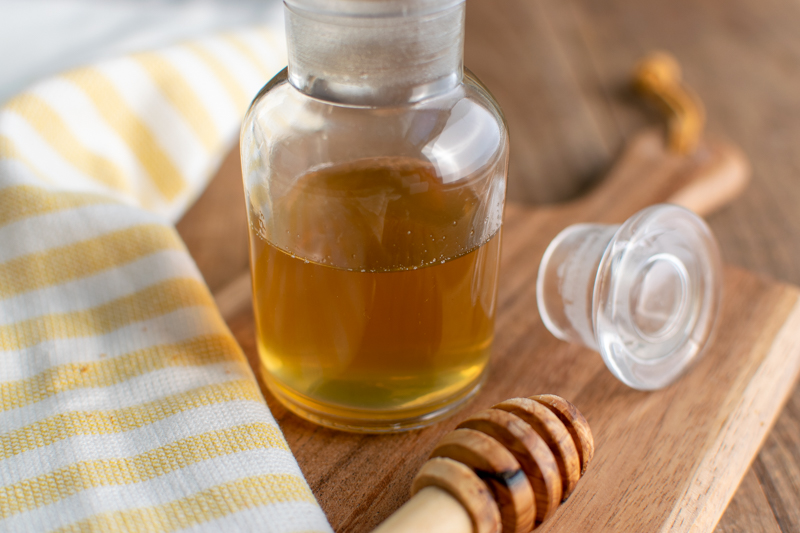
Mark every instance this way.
x=374 y=52
x=372 y=8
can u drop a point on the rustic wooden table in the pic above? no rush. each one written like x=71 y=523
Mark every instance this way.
x=559 y=70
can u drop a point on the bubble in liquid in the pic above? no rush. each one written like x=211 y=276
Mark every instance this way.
x=454 y=222
x=443 y=237
x=443 y=261
x=362 y=270
x=414 y=267
x=409 y=232
x=472 y=232
x=305 y=261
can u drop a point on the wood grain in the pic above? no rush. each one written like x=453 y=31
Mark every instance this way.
x=499 y=470
x=530 y=451
x=555 y=434
x=744 y=511
x=716 y=450
x=775 y=467
x=694 y=423
x=742 y=58
x=684 y=433
x=575 y=423
x=495 y=450
x=559 y=69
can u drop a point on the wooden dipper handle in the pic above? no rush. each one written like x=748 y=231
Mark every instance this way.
x=505 y=469
x=658 y=77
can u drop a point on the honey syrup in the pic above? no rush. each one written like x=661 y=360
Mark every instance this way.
x=374 y=299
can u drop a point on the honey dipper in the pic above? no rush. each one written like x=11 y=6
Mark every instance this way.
x=506 y=469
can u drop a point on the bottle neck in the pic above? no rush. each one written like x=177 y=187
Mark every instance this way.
x=375 y=53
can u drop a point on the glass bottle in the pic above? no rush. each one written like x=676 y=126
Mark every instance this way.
x=374 y=171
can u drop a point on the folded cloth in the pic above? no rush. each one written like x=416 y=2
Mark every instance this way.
x=125 y=402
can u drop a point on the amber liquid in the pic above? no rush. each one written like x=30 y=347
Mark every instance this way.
x=396 y=343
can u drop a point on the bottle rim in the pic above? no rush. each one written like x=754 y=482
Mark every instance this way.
x=372 y=8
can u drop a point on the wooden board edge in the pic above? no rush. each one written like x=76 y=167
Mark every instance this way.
x=742 y=434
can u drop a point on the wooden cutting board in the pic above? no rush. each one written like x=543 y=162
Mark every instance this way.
x=665 y=461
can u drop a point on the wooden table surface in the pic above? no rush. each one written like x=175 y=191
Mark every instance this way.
x=559 y=69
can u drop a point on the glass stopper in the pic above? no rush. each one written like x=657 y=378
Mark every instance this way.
x=645 y=294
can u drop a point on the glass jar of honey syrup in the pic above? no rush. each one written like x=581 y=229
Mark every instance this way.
x=375 y=175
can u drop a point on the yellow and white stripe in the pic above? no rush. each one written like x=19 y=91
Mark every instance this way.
x=125 y=403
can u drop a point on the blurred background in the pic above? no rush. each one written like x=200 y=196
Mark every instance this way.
x=560 y=70
x=39 y=38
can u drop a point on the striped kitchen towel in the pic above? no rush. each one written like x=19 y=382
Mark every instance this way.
x=125 y=402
